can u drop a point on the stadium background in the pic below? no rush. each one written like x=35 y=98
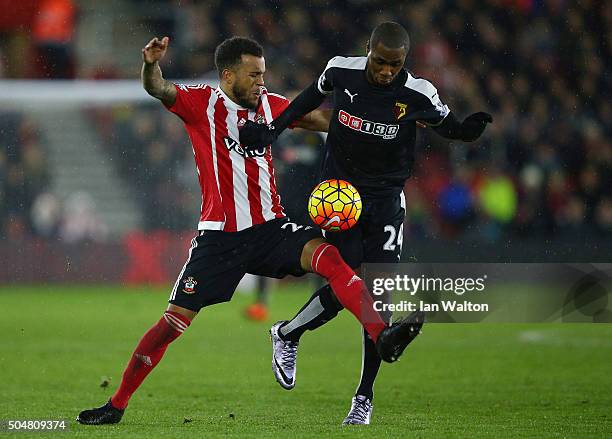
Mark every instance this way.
x=97 y=173
x=98 y=189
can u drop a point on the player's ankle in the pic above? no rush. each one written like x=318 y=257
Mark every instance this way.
x=117 y=404
x=367 y=395
x=291 y=336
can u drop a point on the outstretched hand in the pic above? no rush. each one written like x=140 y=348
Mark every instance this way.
x=474 y=125
x=256 y=135
x=155 y=50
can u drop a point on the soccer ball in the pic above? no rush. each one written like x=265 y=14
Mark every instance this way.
x=334 y=205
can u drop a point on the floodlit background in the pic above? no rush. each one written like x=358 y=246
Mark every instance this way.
x=99 y=199
x=97 y=162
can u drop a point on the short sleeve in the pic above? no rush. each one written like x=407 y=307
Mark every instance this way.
x=435 y=110
x=431 y=109
x=191 y=102
x=278 y=104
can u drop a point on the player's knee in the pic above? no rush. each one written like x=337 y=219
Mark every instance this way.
x=187 y=313
x=307 y=252
x=326 y=255
x=178 y=318
x=178 y=322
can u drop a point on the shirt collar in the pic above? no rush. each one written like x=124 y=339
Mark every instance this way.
x=231 y=104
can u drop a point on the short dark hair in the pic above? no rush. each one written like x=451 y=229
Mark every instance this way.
x=229 y=52
x=391 y=35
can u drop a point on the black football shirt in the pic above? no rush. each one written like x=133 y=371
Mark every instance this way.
x=372 y=133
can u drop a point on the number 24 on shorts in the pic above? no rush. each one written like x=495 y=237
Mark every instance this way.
x=396 y=238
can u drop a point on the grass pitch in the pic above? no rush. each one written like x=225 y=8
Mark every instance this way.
x=58 y=344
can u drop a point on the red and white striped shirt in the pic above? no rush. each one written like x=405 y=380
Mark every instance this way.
x=238 y=186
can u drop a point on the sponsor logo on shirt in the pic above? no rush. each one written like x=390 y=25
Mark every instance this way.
x=233 y=145
x=383 y=130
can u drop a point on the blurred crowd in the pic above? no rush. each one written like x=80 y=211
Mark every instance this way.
x=542 y=68
x=28 y=205
x=37 y=38
x=153 y=154
x=23 y=173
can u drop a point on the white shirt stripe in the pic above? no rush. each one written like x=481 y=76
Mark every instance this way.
x=211 y=225
x=264 y=175
x=210 y=112
x=241 y=189
x=265 y=192
x=266 y=108
x=208 y=148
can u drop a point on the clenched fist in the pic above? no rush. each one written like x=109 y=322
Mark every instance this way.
x=257 y=135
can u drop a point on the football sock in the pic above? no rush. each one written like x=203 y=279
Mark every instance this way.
x=320 y=309
x=147 y=354
x=370 y=363
x=350 y=289
x=263 y=290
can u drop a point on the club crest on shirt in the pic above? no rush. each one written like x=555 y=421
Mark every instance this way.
x=190 y=284
x=399 y=110
x=259 y=118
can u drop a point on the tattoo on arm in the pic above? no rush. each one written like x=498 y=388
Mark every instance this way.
x=154 y=84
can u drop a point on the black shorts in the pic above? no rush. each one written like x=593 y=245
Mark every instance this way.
x=218 y=260
x=378 y=235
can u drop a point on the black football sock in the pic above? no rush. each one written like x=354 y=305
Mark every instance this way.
x=263 y=288
x=320 y=309
x=370 y=363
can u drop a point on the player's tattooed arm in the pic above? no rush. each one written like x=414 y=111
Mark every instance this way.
x=151 y=74
x=317 y=120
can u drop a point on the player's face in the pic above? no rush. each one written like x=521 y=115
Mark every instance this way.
x=384 y=64
x=248 y=81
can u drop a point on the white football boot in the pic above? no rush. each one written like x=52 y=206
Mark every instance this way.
x=284 y=357
x=360 y=413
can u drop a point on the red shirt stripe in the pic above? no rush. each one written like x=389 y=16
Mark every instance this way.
x=252 y=171
x=224 y=166
x=238 y=188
